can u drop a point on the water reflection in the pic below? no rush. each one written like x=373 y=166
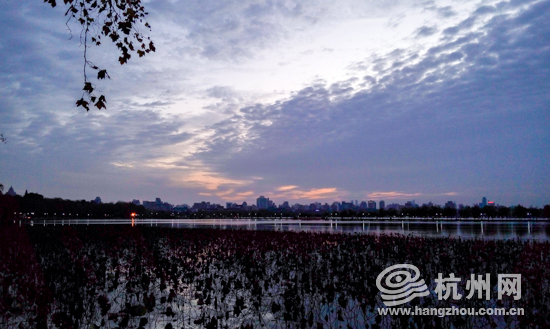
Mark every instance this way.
x=539 y=230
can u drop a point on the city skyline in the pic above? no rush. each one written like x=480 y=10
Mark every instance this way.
x=261 y=202
x=301 y=101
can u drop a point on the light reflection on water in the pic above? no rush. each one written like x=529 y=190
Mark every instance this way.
x=538 y=230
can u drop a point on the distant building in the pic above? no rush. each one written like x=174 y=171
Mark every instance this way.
x=181 y=208
x=158 y=205
x=371 y=205
x=200 y=206
x=450 y=204
x=11 y=192
x=262 y=202
x=381 y=204
x=206 y=206
x=346 y=205
x=97 y=200
x=483 y=202
x=297 y=207
x=395 y=206
x=235 y=206
x=136 y=202
x=411 y=204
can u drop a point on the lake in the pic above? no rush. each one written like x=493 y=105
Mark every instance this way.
x=494 y=229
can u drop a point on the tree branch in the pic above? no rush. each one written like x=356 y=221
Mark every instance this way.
x=116 y=19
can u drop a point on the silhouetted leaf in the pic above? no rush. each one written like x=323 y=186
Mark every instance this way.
x=102 y=74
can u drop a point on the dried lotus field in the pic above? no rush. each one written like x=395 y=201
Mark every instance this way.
x=151 y=277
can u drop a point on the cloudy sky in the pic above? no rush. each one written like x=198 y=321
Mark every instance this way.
x=299 y=101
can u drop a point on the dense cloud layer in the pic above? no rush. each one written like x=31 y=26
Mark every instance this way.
x=462 y=116
x=457 y=110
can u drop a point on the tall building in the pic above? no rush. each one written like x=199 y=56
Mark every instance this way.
x=262 y=202
x=371 y=205
x=381 y=204
x=483 y=202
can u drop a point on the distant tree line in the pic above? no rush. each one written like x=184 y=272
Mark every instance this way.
x=36 y=206
x=475 y=212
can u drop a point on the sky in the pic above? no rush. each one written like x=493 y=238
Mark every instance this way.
x=299 y=101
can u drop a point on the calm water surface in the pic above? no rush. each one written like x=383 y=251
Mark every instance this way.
x=538 y=230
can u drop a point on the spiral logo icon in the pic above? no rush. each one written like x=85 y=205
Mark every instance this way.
x=403 y=284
